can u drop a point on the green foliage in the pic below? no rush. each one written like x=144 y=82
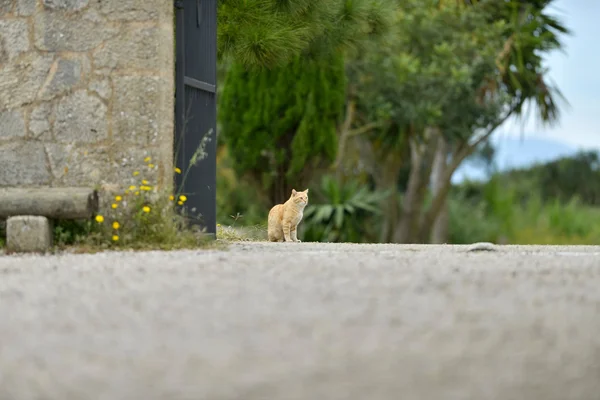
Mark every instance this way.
x=429 y=75
x=143 y=216
x=343 y=212
x=488 y=216
x=278 y=122
x=458 y=66
x=460 y=69
x=269 y=33
x=562 y=179
x=517 y=207
x=71 y=232
x=530 y=33
x=531 y=222
x=237 y=196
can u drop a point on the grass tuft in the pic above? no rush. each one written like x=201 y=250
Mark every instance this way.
x=256 y=233
x=141 y=217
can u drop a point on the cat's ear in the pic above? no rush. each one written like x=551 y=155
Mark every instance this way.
x=294 y=192
x=306 y=191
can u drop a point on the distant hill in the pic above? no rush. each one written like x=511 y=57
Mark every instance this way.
x=517 y=153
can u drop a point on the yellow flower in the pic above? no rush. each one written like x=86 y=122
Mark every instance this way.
x=116 y=225
x=177 y=170
x=132 y=188
x=183 y=198
x=171 y=197
x=150 y=165
x=99 y=219
x=146 y=188
x=144 y=182
x=115 y=238
x=180 y=202
x=136 y=173
x=118 y=198
x=218 y=225
x=146 y=209
x=114 y=205
x=137 y=193
x=147 y=159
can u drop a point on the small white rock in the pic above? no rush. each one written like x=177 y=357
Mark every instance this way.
x=482 y=246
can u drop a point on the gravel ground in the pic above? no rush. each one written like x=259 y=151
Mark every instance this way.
x=303 y=321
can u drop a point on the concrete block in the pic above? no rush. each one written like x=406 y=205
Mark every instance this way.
x=26 y=233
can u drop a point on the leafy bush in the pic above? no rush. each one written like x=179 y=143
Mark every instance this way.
x=142 y=216
x=501 y=216
x=342 y=213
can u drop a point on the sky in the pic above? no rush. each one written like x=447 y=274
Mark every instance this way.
x=575 y=71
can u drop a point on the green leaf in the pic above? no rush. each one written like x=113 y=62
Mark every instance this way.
x=339 y=216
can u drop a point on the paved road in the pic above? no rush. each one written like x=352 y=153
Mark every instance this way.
x=303 y=322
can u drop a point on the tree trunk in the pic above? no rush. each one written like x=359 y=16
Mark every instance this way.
x=389 y=180
x=438 y=201
x=411 y=204
x=439 y=230
x=407 y=229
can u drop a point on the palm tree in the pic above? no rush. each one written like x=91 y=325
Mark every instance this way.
x=530 y=33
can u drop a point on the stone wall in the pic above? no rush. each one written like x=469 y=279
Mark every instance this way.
x=86 y=91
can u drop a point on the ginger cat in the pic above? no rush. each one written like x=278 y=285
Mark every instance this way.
x=284 y=218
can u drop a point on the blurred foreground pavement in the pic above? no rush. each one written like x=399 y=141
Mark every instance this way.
x=303 y=321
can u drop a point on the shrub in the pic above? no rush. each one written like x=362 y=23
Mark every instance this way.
x=341 y=212
x=499 y=218
x=142 y=216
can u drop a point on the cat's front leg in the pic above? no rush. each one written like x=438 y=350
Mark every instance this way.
x=287 y=232
x=294 y=234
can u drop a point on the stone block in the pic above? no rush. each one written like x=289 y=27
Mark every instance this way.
x=20 y=81
x=80 y=166
x=40 y=121
x=68 y=5
x=81 y=118
x=23 y=163
x=137 y=103
x=27 y=233
x=102 y=87
x=58 y=31
x=12 y=124
x=65 y=74
x=14 y=39
x=130 y=10
x=137 y=47
x=26 y=7
x=6 y=6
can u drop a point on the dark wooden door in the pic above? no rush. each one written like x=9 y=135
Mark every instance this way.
x=196 y=108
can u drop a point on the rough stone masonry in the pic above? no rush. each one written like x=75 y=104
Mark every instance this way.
x=86 y=92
